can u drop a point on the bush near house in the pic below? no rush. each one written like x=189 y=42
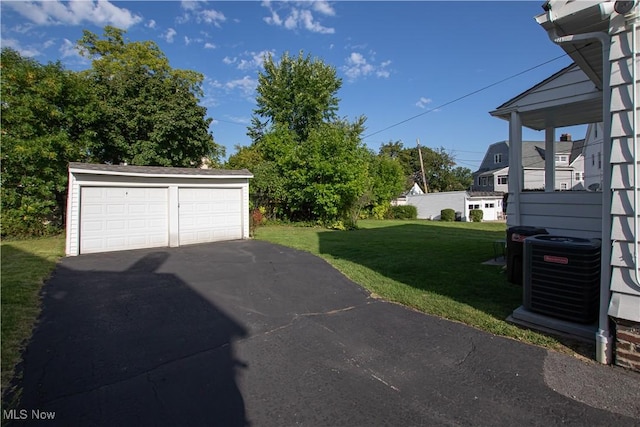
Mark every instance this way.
x=447 y=215
x=403 y=212
x=476 y=215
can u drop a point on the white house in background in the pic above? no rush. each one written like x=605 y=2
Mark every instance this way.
x=462 y=202
x=602 y=39
x=493 y=174
x=593 y=157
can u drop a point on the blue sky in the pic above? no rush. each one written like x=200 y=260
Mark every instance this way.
x=397 y=60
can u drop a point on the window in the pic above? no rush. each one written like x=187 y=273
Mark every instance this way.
x=479 y=180
x=579 y=176
x=489 y=205
x=497 y=158
x=470 y=207
x=563 y=186
x=562 y=158
x=484 y=181
x=596 y=131
x=599 y=161
x=593 y=159
x=503 y=179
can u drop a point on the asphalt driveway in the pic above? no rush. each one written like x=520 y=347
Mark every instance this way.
x=250 y=333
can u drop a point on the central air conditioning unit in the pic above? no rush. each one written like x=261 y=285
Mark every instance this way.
x=562 y=277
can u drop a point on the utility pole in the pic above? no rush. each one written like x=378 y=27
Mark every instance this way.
x=424 y=178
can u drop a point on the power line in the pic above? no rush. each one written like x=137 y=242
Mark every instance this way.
x=465 y=96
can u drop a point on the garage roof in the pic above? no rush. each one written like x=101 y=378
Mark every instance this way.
x=157 y=171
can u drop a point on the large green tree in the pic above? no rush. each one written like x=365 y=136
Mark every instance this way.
x=47 y=121
x=149 y=112
x=296 y=92
x=438 y=167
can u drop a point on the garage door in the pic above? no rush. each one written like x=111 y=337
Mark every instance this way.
x=116 y=218
x=209 y=214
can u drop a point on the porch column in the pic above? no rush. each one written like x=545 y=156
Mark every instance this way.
x=549 y=159
x=515 y=169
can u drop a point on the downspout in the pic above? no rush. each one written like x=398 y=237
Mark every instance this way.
x=604 y=348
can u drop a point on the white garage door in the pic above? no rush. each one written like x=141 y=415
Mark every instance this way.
x=209 y=214
x=116 y=218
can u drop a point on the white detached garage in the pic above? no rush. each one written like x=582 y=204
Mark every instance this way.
x=113 y=208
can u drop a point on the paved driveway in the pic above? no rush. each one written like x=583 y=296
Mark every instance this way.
x=249 y=333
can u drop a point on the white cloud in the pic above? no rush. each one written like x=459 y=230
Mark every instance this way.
x=212 y=17
x=239 y=120
x=75 y=12
x=189 y=5
x=151 y=24
x=169 y=35
x=246 y=85
x=299 y=15
x=323 y=7
x=209 y=46
x=69 y=50
x=248 y=60
x=356 y=66
x=423 y=102
x=187 y=41
x=24 y=51
x=193 y=10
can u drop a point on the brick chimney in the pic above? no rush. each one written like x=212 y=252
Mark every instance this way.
x=565 y=137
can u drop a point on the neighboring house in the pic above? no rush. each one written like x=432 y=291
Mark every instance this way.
x=493 y=174
x=601 y=87
x=593 y=157
x=462 y=202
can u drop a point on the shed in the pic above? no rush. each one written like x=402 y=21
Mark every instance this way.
x=119 y=207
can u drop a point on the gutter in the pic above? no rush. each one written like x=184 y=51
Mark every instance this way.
x=604 y=340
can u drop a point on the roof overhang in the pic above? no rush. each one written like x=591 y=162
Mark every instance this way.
x=156 y=171
x=566 y=98
x=565 y=18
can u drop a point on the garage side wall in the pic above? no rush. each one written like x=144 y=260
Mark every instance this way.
x=72 y=245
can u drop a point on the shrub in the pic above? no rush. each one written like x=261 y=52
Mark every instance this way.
x=403 y=212
x=476 y=215
x=448 y=215
x=380 y=211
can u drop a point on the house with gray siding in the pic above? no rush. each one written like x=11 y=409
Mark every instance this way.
x=493 y=174
x=602 y=87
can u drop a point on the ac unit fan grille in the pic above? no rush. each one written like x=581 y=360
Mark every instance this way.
x=561 y=280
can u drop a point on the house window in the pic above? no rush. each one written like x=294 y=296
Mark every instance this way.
x=503 y=179
x=479 y=180
x=593 y=159
x=599 y=161
x=562 y=158
x=497 y=158
x=563 y=186
x=489 y=205
x=596 y=131
x=470 y=207
x=579 y=176
x=484 y=181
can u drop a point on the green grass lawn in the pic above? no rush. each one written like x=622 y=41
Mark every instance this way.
x=25 y=266
x=434 y=267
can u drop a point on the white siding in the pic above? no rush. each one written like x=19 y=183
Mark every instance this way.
x=625 y=302
x=567 y=213
x=429 y=205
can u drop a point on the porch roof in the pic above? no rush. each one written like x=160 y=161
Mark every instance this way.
x=566 y=98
